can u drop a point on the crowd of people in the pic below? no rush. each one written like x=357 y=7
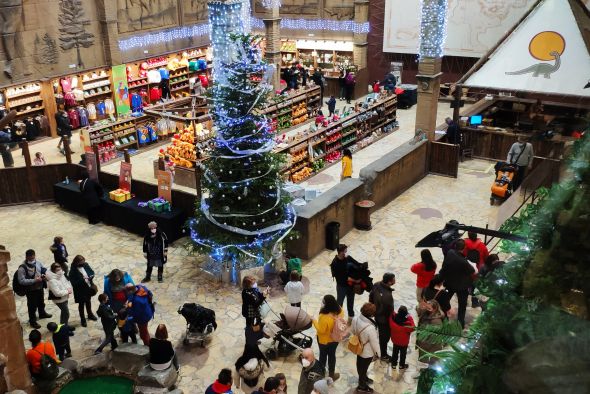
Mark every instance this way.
x=127 y=308
x=123 y=306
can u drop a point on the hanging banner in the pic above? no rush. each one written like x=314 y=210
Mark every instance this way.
x=121 y=90
x=90 y=161
x=125 y=176
x=165 y=185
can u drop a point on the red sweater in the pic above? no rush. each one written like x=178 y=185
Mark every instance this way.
x=480 y=247
x=400 y=334
x=424 y=277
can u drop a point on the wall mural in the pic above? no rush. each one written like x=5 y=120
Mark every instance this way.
x=135 y=15
x=72 y=31
x=11 y=16
x=295 y=7
x=45 y=51
x=546 y=45
x=339 y=9
x=194 y=11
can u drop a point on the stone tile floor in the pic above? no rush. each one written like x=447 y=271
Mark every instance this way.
x=388 y=247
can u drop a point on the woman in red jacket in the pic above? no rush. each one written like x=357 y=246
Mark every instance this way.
x=401 y=325
x=425 y=270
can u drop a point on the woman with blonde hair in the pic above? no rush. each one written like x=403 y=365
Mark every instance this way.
x=429 y=315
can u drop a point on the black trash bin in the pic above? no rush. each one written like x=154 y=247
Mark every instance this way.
x=332 y=235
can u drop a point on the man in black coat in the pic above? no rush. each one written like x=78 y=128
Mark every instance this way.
x=457 y=274
x=91 y=194
x=453 y=132
x=382 y=297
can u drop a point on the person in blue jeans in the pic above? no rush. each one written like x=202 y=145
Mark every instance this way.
x=340 y=268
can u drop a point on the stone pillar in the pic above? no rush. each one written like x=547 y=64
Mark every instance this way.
x=12 y=346
x=272 y=25
x=361 y=15
x=428 y=91
x=107 y=16
x=432 y=33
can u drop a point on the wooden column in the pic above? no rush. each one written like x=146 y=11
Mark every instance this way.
x=31 y=178
x=67 y=149
x=272 y=55
x=12 y=345
x=428 y=91
x=359 y=53
x=50 y=105
x=107 y=16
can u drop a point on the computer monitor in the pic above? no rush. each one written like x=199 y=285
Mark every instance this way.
x=475 y=120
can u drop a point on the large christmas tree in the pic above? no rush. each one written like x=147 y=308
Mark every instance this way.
x=244 y=213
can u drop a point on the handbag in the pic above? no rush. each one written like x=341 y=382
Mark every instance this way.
x=51 y=296
x=264 y=309
x=93 y=289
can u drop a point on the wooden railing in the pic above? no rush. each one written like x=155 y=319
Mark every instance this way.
x=443 y=159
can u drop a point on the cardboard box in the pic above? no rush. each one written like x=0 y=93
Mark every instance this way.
x=119 y=195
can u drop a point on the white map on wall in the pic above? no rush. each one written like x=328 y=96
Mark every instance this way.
x=474 y=25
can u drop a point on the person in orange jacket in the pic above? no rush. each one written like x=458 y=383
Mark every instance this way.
x=38 y=349
x=402 y=325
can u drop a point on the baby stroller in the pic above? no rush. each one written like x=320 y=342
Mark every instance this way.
x=200 y=323
x=502 y=187
x=289 y=334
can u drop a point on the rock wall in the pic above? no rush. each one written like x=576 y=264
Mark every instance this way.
x=16 y=370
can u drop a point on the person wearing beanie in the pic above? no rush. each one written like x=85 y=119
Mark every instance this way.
x=223 y=383
x=323 y=386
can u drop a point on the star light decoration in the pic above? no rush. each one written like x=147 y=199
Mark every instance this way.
x=433 y=28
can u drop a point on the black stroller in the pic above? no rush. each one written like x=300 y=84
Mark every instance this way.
x=288 y=335
x=200 y=323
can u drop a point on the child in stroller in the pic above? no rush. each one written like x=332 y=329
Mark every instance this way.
x=503 y=185
x=200 y=322
x=287 y=334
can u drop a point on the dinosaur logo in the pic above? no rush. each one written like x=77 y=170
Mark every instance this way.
x=547 y=45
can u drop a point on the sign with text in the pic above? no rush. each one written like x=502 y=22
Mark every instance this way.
x=165 y=185
x=121 y=90
x=90 y=161
x=125 y=176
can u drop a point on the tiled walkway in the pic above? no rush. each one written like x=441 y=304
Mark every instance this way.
x=388 y=247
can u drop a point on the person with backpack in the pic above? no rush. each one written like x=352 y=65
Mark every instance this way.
x=60 y=289
x=252 y=300
x=81 y=276
x=340 y=267
x=331 y=105
x=382 y=297
x=223 y=383
x=60 y=254
x=430 y=315
x=140 y=305
x=457 y=274
x=364 y=329
x=42 y=360
x=250 y=369
x=424 y=271
x=331 y=329
x=402 y=325
x=28 y=281
x=436 y=291
x=108 y=318
x=520 y=155
x=311 y=372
